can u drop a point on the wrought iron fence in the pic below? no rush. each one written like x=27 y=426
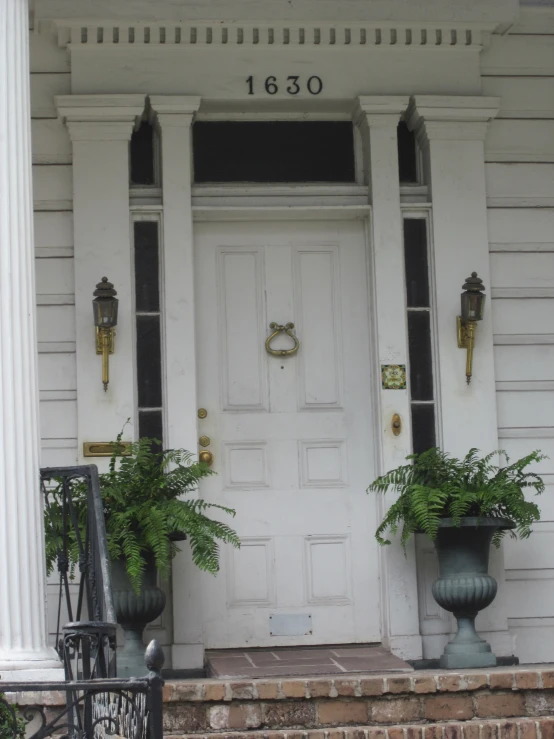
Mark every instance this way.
x=76 y=538
x=94 y=709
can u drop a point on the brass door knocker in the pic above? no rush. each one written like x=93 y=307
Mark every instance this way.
x=277 y=329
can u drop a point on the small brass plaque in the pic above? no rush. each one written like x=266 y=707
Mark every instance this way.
x=105 y=448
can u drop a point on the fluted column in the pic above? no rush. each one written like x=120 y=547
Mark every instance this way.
x=24 y=653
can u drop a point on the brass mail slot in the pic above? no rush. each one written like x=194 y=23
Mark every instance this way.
x=105 y=448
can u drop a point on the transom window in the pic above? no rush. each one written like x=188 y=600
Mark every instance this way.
x=273 y=151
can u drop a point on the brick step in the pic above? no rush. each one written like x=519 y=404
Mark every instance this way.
x=321 y=704
x=518 y=728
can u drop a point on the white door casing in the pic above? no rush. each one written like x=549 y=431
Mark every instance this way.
x=292 y=437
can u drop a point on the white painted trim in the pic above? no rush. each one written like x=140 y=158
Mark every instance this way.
x=96 y=34
x=57 y=347
x=52 y=205
x=280 y=213
x=68 y=443
x=523 y=339
x=523 y=201
x=52 y=252
x=522 y=292
x=524 y=385
x=529 y=248
x=50 y=299
x=49 y=395
x=526 y=432
x=398 y=592
x=100 y=108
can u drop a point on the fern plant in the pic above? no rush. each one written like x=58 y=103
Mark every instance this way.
x=145 y=514
x=434 y=486
x=12 y=725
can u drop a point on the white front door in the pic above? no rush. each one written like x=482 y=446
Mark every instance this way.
x=291 y=436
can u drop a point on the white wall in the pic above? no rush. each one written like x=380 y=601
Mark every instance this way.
x=519 y=68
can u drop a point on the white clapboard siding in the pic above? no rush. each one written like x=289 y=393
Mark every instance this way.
x=57 y=372
x=520 y=269
x=52 y=187
x=55 y=277
x=520 y=185
x=521 y=97
x=518 y=555
x=517 y=448
x=45 y=54
x=50 y=141
x=527 y=316
x=59 y=453
x=526 y=228
x=44 y=87
x=518 y=56
x=524 y=409
x=55 y=325
x=528 y=364
x=520 y=140
x=58 y=419
x=54 y=234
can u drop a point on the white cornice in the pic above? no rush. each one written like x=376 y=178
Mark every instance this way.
x=106 y=108
x=380 y=109
x=100 y=117
x=356 y=35
x=169 y=105
x=451 y=117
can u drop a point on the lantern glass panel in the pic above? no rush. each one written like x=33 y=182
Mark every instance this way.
x=105 y=313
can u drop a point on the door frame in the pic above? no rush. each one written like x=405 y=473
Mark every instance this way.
x=398 y=582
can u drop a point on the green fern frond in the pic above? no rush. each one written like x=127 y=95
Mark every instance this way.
x=435 y=485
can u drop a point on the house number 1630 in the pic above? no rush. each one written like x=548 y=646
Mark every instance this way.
x=294 y=85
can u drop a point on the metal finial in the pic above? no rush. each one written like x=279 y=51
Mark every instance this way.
x=104 y=289
x=154 y=656
x=473 y=284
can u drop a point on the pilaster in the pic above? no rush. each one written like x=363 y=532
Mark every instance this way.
x=175 y=115
x=451 y=132
x=378 y=117
x=24 y=654
x=100 y=127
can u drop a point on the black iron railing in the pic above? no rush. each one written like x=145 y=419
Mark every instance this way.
x=94 y=709
x=76 y=539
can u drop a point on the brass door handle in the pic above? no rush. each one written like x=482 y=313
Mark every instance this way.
x=206 y=457
x=278 y=329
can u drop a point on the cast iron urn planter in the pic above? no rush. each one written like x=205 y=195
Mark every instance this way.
x=464 y=586
x=134 y=612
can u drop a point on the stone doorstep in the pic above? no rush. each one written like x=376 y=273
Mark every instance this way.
x=541 y=728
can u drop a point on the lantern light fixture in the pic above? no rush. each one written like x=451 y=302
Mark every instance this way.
x=472 y=310
x=104 y=308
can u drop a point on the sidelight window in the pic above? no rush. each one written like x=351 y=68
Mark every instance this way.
x=420 y=343
x=148 y=328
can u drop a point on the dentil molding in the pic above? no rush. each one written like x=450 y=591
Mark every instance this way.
x=354 y=35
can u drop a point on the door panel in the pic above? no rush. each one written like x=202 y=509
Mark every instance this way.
x=291 y=436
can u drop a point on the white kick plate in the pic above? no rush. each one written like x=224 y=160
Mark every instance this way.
x=290 y=624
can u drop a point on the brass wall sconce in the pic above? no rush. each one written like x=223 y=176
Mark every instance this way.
x=104 y=308
x=473 y=304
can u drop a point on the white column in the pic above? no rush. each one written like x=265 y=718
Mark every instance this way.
x=24 y=654
x=451 y=132
x=100 y=127
x=380 y=116
x=175 y=115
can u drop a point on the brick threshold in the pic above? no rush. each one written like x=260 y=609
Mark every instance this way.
x=517 y=728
